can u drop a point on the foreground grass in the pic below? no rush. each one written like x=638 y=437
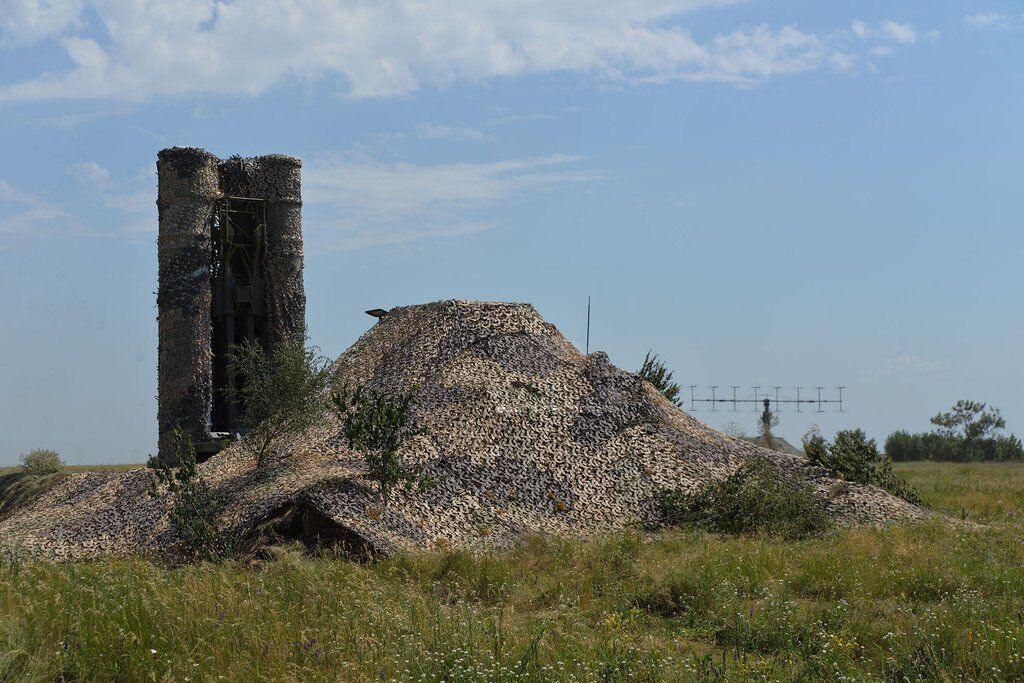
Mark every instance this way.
x=903 y=603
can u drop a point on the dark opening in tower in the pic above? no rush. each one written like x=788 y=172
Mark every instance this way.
x=239 y=311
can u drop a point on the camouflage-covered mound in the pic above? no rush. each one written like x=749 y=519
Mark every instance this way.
x=522 y=434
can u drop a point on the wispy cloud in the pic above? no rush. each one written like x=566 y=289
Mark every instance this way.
x=426 y=131
x=865 y=42
x=988 y=20
x=150 y=48
x=521 y=118
x=25 y=215
x=135 y=205
x=364 y=201
x=906 y=363
x=351 y=240
x=901 y=33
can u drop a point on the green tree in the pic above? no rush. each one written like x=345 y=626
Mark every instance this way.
x=283 y=391
x=376 y=426
x=970 y=421
x=655 y=372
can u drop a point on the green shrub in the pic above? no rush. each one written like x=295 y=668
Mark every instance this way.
x=655 y=372
x=854 y=457
x=376 y=425
x=41 y=469
x=42 y=461
x=283 y=391
x=194 y=507
x=759 y=497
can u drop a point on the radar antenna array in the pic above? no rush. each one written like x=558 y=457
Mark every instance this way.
x=779 y=399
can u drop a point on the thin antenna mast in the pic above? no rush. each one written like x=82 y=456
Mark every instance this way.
x=588 y=326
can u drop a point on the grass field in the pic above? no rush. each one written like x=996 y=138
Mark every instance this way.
x=903 y=603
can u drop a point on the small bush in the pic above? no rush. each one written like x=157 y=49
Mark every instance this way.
x=195 y=506
x=283 y=390
x=759 y=497
x=40 y=471
x=41 y=461
x=655 y=372
x=376 y=425
x=854 y=457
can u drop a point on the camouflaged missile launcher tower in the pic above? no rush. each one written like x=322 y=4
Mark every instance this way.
x=230 y=270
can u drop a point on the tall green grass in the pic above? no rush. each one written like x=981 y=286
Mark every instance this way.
x=928 y=602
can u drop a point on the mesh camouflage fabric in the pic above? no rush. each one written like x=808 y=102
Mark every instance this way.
x=191 y=181
x=522 y=434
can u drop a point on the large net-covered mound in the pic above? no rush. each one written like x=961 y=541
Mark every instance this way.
x=521 y=434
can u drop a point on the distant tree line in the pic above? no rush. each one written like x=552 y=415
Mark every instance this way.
x=967 y=433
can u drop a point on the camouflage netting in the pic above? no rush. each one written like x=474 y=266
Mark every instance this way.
x=522 y=434
x=188 y=191
x=276 y=179
x=191 y=181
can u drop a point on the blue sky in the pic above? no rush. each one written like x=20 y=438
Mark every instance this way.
x=765 y=193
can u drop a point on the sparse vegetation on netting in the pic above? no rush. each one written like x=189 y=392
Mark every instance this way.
x=657 y=373
x=194 y=505
x=375 y=425
x=758 y=498
x=284 y=391
x=900 y=603
x=854 y=457
x=41 y=469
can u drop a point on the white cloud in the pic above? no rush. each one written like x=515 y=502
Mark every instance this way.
x=90 y=173
x=152 y=48
x=521 y=118
x=33 y=220
x=364 y=201
x=24 y=22
x=361 y=239
x=901 y=33
x=426 y=131
x=882 y=40
x=7 y=191
x=889 y=31
x=908 y=363
x=987 y=20
x=136 y=206
x=23 y=215
x=843 y=62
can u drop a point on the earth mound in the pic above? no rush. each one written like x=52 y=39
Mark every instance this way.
x=521 y=434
